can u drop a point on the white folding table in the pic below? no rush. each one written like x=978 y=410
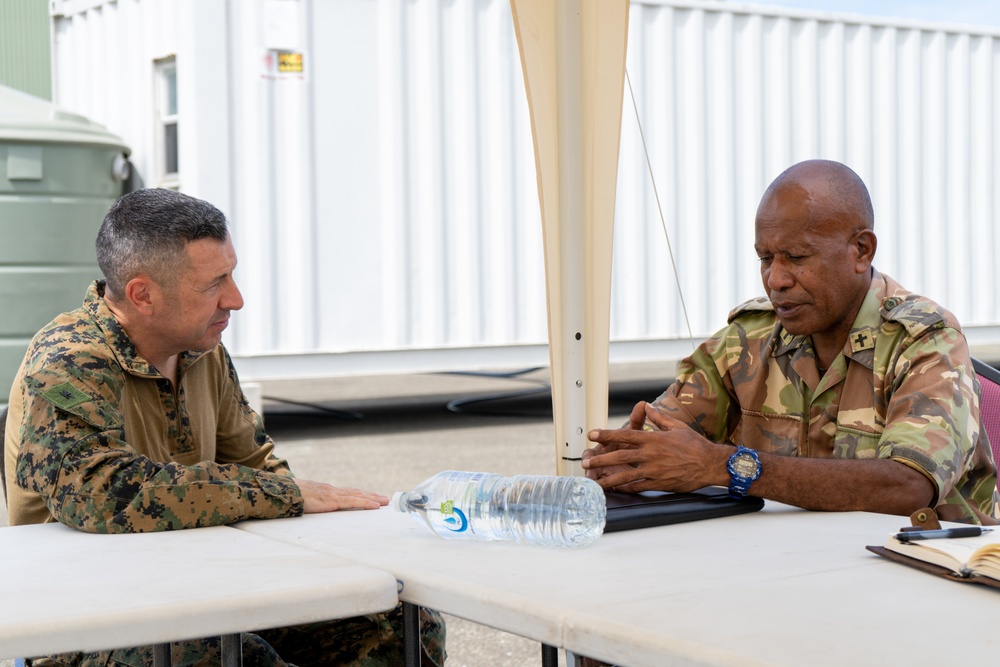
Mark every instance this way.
x=781 y=587
x=64 y=590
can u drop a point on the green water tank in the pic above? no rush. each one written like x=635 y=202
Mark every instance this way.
x=59 y=174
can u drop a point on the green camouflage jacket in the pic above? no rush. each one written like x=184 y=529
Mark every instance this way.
x=902 y=389
x=98 y=440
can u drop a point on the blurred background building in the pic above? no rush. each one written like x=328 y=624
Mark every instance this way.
x=59 y=173
x=25 y=55
x=375 y=160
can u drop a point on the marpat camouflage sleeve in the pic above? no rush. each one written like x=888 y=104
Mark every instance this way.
x=75 y=456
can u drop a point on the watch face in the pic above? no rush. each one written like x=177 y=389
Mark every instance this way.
x=745 y=465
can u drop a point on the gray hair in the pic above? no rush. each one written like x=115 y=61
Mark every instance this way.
x=146 y=231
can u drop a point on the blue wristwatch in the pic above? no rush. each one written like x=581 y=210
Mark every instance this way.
x=744 y=468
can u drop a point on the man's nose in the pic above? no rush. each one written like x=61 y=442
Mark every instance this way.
x=232 y=298
x=778 y=276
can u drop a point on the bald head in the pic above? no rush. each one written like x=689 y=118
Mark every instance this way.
x=829 y=190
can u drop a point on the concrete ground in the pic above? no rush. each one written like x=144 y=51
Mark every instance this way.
x=388 y=434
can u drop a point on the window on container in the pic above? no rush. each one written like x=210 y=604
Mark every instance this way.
x=166 y=130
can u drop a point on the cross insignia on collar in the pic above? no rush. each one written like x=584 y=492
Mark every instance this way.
x=862 y=340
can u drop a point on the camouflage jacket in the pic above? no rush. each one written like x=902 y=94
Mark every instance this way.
x=903 y=388
x=98 y=440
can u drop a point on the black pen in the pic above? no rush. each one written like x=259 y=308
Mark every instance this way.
x=964 y=531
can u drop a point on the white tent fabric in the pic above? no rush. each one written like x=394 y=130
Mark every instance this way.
x=573 y=58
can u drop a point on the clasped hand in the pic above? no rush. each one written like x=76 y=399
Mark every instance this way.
x=672 y=458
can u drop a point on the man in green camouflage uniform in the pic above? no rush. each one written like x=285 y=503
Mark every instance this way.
x=127 y=416
x=854 y=393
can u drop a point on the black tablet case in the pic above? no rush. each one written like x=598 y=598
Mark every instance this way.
x=627 y=511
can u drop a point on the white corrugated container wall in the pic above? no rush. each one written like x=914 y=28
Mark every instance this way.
x=731 y=94
x=384 y=204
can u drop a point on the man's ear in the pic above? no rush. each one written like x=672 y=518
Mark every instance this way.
x=865 y=244
x=141 y=293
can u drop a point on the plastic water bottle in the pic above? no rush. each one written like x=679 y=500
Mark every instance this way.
x=546 y=510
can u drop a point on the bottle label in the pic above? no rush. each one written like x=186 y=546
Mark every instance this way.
x=455 y=519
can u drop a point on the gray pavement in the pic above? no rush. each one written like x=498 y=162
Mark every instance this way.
x=388 y=434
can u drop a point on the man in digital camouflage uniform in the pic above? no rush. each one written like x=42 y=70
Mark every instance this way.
x=127 y=416
x=850 y=392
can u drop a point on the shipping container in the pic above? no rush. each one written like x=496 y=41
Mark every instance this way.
x=375 y=160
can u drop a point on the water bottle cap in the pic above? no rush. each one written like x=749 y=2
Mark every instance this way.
x=396 y=500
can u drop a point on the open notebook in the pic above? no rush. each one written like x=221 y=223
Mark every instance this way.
x=627 y=511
